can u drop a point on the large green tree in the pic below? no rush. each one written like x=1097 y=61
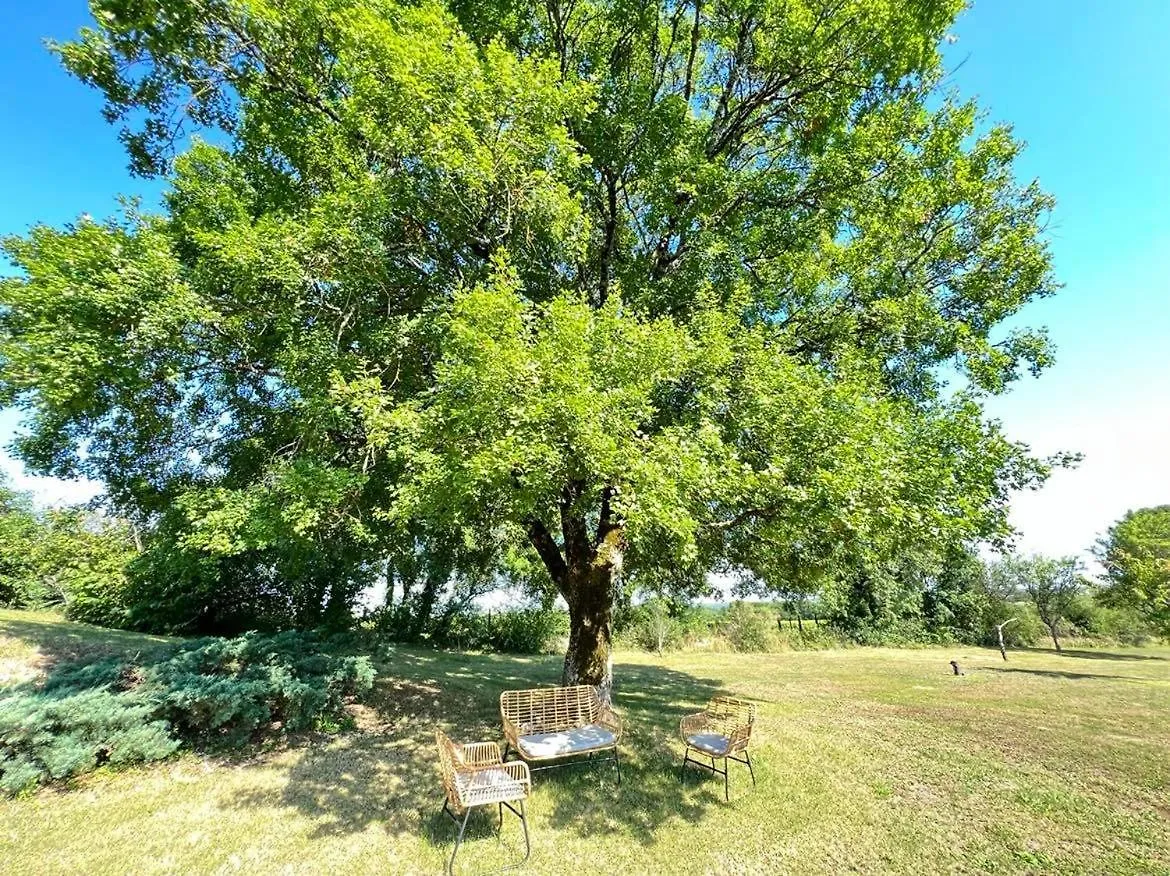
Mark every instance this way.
x=1136 y=556
x=575 y=289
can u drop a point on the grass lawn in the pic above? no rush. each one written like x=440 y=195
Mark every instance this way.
x=871 y=760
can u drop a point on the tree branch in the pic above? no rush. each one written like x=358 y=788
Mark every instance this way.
x=550 y=553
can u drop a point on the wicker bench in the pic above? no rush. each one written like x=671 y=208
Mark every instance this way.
x=554 y=723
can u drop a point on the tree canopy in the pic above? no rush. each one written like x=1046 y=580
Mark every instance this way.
x=1136 y=556
x=568 y=291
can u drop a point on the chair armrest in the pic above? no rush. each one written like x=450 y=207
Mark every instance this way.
x=511 y=732
x=518 y=770
x=694 y=723
x=609 y=719
x=739 y=737
x=481 y=754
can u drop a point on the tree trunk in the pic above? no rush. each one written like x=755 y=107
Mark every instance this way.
x=999 y=633
x=426 y=604
x=1055 y=641
x=587 y=659
x=583 y=568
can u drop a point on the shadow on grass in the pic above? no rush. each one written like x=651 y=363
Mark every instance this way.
x=1089 y=655
x=1058 y=673
x=60 y=642
x=386 y=773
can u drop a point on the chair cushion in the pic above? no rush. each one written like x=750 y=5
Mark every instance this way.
x=574 y=741
x=488 y=786
x=712 y=743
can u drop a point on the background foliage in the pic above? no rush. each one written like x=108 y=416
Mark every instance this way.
x=1136 y=556
x=75 y=558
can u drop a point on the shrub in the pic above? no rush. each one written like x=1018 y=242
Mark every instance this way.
x=813 y=637
x=71 y=555
x=1123 y=625
x=72 y=730
x=205 y=692
x=748 y=627
x=512 y=631
x=526 y=631
x=98 y=599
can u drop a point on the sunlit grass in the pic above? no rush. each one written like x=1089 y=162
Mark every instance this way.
x=867 y=759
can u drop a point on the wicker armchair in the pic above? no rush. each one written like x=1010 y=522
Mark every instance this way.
x=722 y=730
x=475 y=775
x=552 y=723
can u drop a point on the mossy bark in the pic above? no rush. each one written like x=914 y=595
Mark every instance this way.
x=584 y=567
x=588 y=659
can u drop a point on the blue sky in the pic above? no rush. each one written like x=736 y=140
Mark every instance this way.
x=1086 y=84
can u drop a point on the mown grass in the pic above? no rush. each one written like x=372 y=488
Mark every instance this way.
x=32 y=642
x=871 y=760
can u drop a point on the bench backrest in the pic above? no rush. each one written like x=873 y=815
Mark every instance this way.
x=550 y=709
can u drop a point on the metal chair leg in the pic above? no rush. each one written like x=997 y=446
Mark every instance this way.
x=501 y=827
x=747 y=754
x=524 y=824
x=458 y=841
x=726 y=783
x=617 y=765
x=682 y=770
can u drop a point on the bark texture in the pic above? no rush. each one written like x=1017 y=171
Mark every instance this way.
x=584 y=567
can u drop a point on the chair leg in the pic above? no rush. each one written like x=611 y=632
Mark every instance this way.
x=726 y=783
x=617 y=764
x=501 y=827
x=682 y=770
x=747 y=754
x=458 y=841
x=524 y=824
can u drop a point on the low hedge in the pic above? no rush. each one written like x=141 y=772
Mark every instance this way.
x=204 y=693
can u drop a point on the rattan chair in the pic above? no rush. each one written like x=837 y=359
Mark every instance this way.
x=722 y=730
x=475 y=775
x=547 y=725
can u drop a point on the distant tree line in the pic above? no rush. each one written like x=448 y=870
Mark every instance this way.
x=91 y=566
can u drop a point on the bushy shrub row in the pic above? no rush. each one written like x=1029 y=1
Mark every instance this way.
x=656 y=625
x=661 y=625
x=513 y=631
x=204 y=693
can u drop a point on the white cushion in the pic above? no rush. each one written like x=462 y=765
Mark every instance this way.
x=489 y=786
x=714 y=743
x=587 y=738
